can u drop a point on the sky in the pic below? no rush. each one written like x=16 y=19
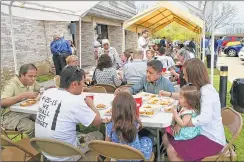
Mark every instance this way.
x=239 y=13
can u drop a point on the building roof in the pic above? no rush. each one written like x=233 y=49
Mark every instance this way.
x=49 y=10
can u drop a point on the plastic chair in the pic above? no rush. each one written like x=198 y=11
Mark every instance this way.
x=233 y=121
x=18 y=151
x=117 y=151
x=13 y=133
x=60 y=149
x=109 y=88
x=95 y=89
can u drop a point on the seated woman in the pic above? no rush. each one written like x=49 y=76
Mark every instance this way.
x=125 y=58
x=125 y=125
x=72 y=60
x=182 y=55
x=150 y=55
x=212 y=137
x=105 y=73
x=110 y=51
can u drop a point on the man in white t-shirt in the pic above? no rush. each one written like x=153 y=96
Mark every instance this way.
x=62 y=109
x=143 y=42
x=167 y=61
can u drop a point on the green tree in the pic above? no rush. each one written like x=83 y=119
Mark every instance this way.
x=175 y=31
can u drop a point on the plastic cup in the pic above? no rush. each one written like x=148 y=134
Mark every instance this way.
x=138 y=104
x=164 y=70
x=90 y=96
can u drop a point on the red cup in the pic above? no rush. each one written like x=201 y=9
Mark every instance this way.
x=138 y=104
x=164 y=70
x=91 y=96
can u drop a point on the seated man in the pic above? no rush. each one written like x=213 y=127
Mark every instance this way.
x=154 y=81
x=135 y=70
x=62 y=109
x=17 y=89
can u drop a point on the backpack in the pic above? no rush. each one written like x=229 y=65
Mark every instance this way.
x=237 y=95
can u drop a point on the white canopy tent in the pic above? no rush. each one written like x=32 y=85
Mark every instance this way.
x=46 y=10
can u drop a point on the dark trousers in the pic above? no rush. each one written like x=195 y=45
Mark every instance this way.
x=57 y=64
x=62 y=58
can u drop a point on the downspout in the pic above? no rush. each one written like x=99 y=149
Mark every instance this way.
x=80 y=40
x=12 y=37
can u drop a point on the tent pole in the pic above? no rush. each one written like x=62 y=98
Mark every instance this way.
x=212 y=44
x=80 y=40
x=203 y=39
x=12 y=37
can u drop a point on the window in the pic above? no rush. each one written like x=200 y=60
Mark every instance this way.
x=102 y=32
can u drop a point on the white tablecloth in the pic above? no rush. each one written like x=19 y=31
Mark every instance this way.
x=159 y=120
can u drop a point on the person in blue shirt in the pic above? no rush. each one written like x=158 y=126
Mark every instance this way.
x=219 y=47
x=62 y=47
x=153 y=82
x=124 y=125
x=56 y=59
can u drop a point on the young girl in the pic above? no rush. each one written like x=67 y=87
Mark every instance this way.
x=125 y=125
x=190 y=102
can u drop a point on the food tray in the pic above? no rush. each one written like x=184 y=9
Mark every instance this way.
x=148 y=108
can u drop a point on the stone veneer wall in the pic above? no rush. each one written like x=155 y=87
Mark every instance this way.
x=32 y=41
x=115 y=37
x=131 y=40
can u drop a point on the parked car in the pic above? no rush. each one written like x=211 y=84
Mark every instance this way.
x=227 y=39
x=241 y=54
x=233 y=50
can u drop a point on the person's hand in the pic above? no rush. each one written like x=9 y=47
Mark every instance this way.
x=176 y=129
x=174 y=111
x=163 y=93
x=89 y=102
x=30 y=95
x=106 y=120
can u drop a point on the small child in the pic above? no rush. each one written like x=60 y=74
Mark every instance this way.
x=125 y=124
x=190 y=103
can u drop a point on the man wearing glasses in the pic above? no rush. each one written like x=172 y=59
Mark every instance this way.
x=61 y=109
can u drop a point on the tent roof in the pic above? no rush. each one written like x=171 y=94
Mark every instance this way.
x=161 y=15
x=49 y=10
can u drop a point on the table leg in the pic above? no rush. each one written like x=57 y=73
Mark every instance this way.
x=158 y=145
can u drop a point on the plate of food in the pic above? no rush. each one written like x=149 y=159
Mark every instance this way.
x=146 y=96
x=163 y=101
x=108 y=112
x=28 y=102
x=101 y=106
x=149 y=110
x=168 y=109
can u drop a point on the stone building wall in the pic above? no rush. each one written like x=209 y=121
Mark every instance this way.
x=32 y=43
x=87 y=40
x=130 y=40
x=115 y=37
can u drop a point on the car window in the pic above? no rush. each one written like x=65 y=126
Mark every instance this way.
x=238 y=38
x=226 y=38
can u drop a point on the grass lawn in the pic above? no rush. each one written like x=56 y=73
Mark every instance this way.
x=44 y=78
x=240 y=141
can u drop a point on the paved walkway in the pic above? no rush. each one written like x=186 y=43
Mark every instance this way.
x=235 y=67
